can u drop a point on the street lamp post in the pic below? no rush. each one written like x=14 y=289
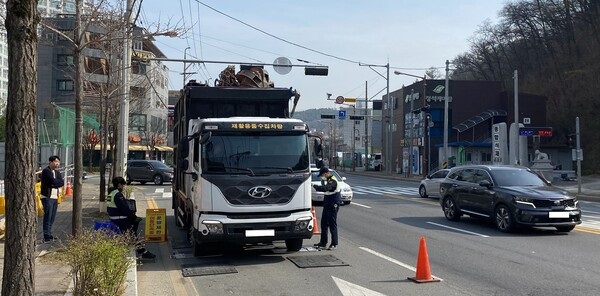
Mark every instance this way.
x=389 y=129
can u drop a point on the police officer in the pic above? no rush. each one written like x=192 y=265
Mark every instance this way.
x=123 y=216
x=331 y=204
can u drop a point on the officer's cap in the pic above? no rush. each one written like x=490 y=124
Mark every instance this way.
x=323 y=170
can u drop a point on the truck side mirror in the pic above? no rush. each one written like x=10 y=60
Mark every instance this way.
x=183 y=148
x=317 y=147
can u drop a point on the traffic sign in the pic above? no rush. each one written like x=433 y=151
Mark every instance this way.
x=350 y=100
x=352 y=117
x=327 y=116
x=339 y=100
x=342 y=114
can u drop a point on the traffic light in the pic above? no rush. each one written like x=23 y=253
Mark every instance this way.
x=327 y=116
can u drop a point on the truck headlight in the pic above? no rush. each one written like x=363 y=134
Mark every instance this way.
x=213 y=227
x=303 y=224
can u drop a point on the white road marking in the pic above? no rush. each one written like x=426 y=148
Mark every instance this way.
x=162 y=193
x=458 y=229
x=409 y=267
x=360 y=205
x=350 y=289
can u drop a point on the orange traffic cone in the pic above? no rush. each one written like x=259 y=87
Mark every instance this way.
x=315 y=222
x=423 y=271
x=69 y=189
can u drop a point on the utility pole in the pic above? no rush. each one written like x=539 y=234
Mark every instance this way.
x=123 y=142
x=516 y=90
x=366 y=127
x=354 y=141
x=446 y=95
x=391 y=122
x=424 y=167
x=185 y=66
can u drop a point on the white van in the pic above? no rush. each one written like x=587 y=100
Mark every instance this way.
x=375 y=162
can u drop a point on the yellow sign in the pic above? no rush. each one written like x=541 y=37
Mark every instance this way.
x=142 y=55
x=156 y=225
x=257 y=125
x=349 y=100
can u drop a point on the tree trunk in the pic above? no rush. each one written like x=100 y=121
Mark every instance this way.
x=21 y=23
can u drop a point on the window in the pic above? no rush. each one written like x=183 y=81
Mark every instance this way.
x=65 y=60
x=137 y=45
x=486 y=156
x=64 y=85
x=137 y=122
x=138 y=68
x=96 y=65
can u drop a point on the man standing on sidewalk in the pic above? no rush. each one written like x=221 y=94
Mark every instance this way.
x=52 y=181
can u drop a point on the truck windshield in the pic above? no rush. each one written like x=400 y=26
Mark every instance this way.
x=256 y=153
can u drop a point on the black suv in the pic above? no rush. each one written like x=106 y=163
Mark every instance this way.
x=509 y=196
x=148 y=171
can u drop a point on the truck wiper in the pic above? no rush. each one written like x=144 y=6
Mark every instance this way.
x=288 y=169
x=241 y=169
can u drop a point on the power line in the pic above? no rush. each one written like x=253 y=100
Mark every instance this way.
x=276 y=37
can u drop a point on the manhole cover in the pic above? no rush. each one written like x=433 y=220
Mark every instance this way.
x=317 y=261
x=199 y=270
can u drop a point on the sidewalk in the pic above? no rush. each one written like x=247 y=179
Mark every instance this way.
x=54 y=279
x=590 y=185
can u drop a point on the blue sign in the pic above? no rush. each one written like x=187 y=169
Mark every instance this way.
x=342 y=114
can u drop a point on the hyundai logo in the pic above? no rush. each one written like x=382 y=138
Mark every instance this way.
x=260 y=191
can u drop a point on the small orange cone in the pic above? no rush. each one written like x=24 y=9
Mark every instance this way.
x=69 y=190
x=423 y=271
x=315 y=222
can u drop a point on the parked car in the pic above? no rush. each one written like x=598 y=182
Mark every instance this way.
x=148 y=171
x=346 y=189
x=509 y=196
x=430 y=186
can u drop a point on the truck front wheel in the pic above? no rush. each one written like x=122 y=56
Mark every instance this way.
x=293 y=244
x=197 y=248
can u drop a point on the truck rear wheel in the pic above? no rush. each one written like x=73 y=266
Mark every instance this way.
x=293 y=244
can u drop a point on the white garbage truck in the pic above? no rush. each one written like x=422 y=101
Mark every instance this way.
x=242 y=167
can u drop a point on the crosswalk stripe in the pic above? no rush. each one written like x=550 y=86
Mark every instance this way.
x=361 y=190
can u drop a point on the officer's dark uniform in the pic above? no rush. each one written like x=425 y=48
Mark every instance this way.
x=124 y=217
x=331 y=205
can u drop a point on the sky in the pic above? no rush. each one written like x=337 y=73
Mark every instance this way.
x=410 y=35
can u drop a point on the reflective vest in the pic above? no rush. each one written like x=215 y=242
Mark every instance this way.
x=111 y=206
x=337 y=187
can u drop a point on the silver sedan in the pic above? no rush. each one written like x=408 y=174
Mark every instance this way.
x=430 y=186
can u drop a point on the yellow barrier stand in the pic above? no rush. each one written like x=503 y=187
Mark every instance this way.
x=156 y=225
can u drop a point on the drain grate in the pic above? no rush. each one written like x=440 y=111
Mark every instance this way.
x=200 y=270
x=317 y=261
x=180 y=244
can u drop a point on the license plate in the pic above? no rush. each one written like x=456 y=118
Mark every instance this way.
x=257 y=233
x=558 y=214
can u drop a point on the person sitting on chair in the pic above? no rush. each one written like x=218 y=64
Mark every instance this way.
x=123 y=216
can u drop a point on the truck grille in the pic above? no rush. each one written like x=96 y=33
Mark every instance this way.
x=236 y=188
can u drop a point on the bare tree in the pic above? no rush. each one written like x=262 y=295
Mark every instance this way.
x=19 y=257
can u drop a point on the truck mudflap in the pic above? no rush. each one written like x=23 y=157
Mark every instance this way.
x=220 y=228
